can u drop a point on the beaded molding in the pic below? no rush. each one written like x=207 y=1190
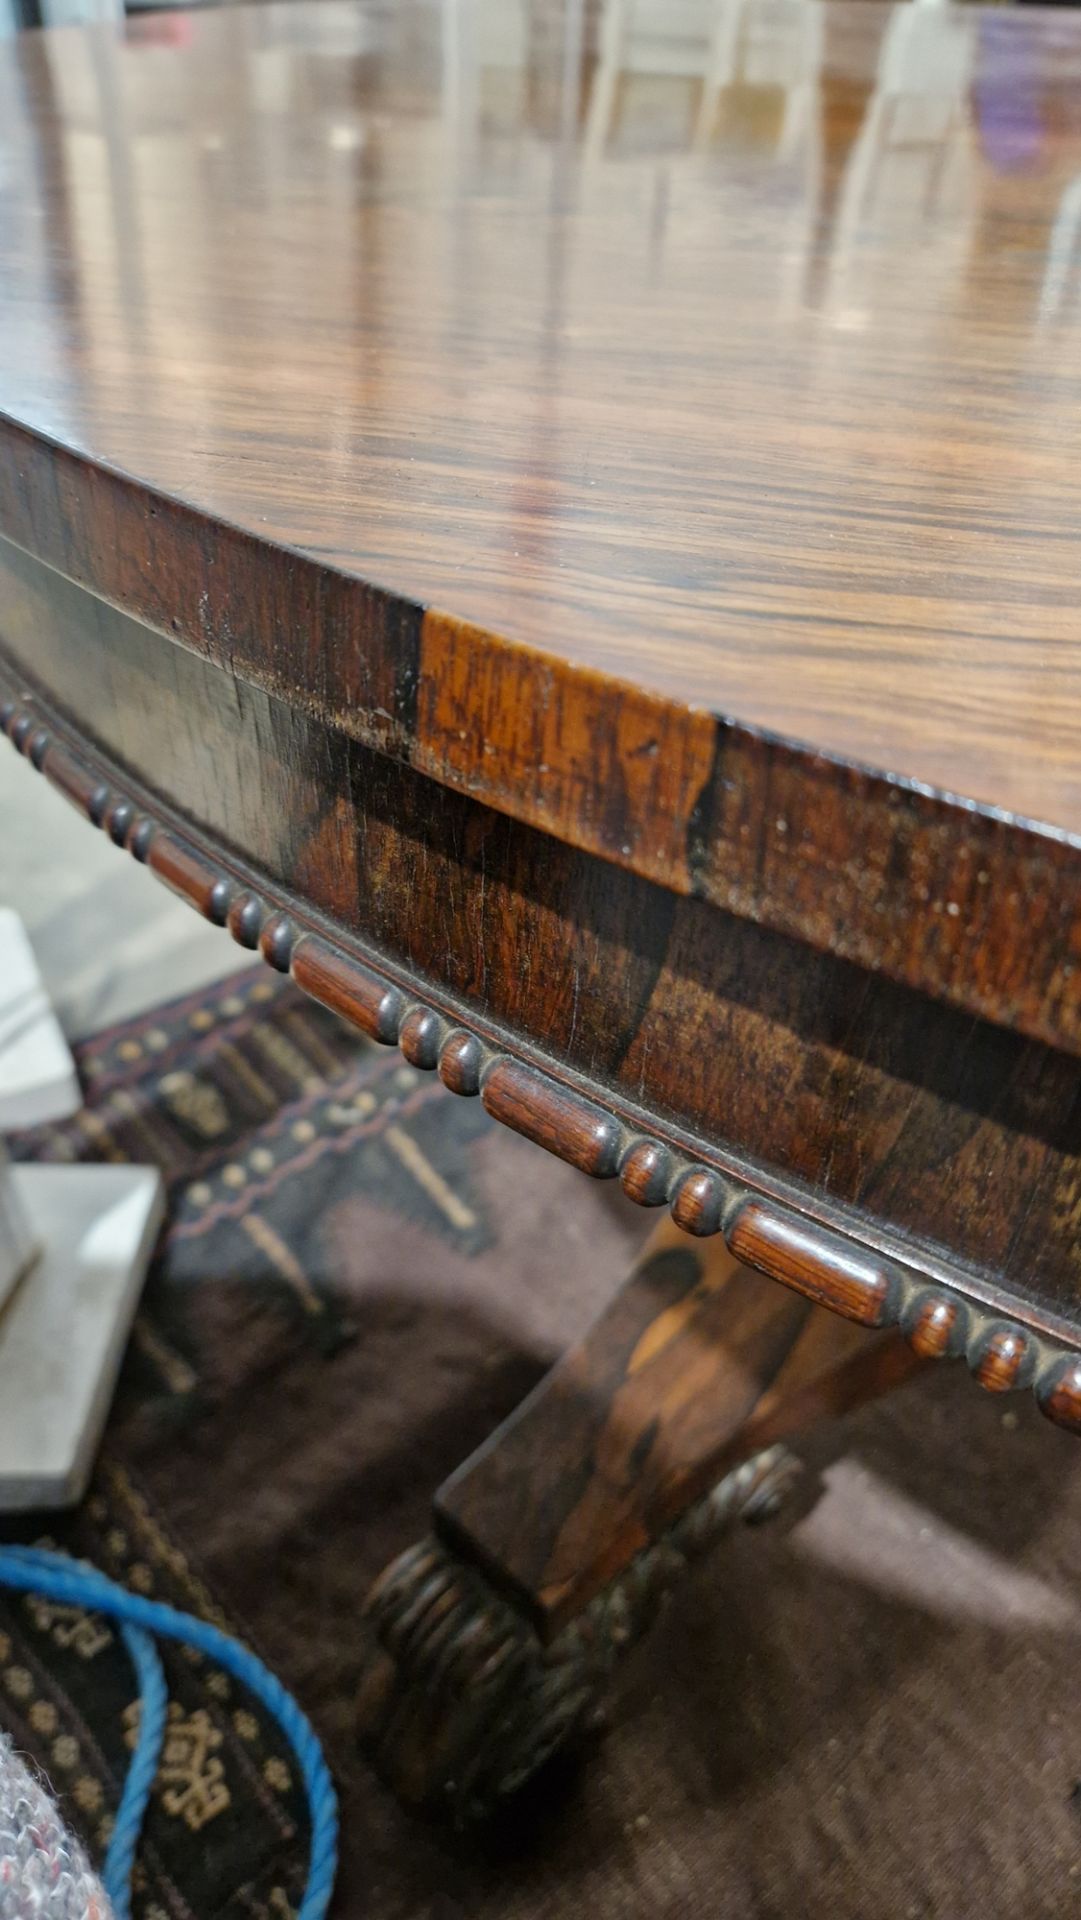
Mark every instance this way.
x=939 y=1320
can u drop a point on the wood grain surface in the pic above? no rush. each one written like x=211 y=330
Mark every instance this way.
x=656 y=423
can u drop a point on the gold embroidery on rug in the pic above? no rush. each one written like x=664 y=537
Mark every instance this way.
x=97 y=1133
x=346 y=1115
x=175 y=1371
x=283 y=1260
x=147 y=1126
x=308 y=1039
x=256 y=1085
x=200 y=1599
x=417 y=1163
x=282 y=1054
x=191 y=1778
x=196 y=1102
x=87 y=1793
x=71 y=1627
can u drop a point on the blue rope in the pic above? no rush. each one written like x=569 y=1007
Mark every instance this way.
x=153 y=1710
x=75 y=1583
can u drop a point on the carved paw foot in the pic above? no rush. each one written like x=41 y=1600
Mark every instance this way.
x=460 y=1702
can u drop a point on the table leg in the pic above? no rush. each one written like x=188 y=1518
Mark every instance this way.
x=488 y=1644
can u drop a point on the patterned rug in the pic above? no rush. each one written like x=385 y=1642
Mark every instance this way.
x=319 y=1191
x=872 y=1715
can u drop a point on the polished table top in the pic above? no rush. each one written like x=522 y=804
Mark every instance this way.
x=557 y=522
x=728 y=347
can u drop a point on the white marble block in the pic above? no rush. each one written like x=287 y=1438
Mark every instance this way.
x=38 y=1081
x=63 y=1333
x=17 y=1243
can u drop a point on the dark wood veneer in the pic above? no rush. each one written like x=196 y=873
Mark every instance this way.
x=764 y=1233
x=945 y=1141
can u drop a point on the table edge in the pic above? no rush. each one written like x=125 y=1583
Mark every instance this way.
x=789 y=1236
x=951 y=896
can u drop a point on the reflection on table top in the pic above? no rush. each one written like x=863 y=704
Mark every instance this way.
x=730 y=346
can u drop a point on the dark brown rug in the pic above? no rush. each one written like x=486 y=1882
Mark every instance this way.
x=874 y=1714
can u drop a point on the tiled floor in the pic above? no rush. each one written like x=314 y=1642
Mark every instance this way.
x=110 y=940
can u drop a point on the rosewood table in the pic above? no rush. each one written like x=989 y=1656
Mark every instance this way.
x=558 y=523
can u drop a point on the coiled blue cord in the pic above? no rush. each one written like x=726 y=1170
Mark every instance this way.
x=153 y=1704
x=75 y=1583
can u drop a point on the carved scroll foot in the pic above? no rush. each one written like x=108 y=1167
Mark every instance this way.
x=461 y=1702
x=491 y=1644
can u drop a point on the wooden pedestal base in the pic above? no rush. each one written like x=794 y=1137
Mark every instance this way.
x=462 y=1701
x=488 y=1644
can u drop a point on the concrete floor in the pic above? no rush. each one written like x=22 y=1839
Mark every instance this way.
x=109 y=939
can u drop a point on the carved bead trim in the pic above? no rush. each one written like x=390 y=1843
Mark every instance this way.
x=829 y=1268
